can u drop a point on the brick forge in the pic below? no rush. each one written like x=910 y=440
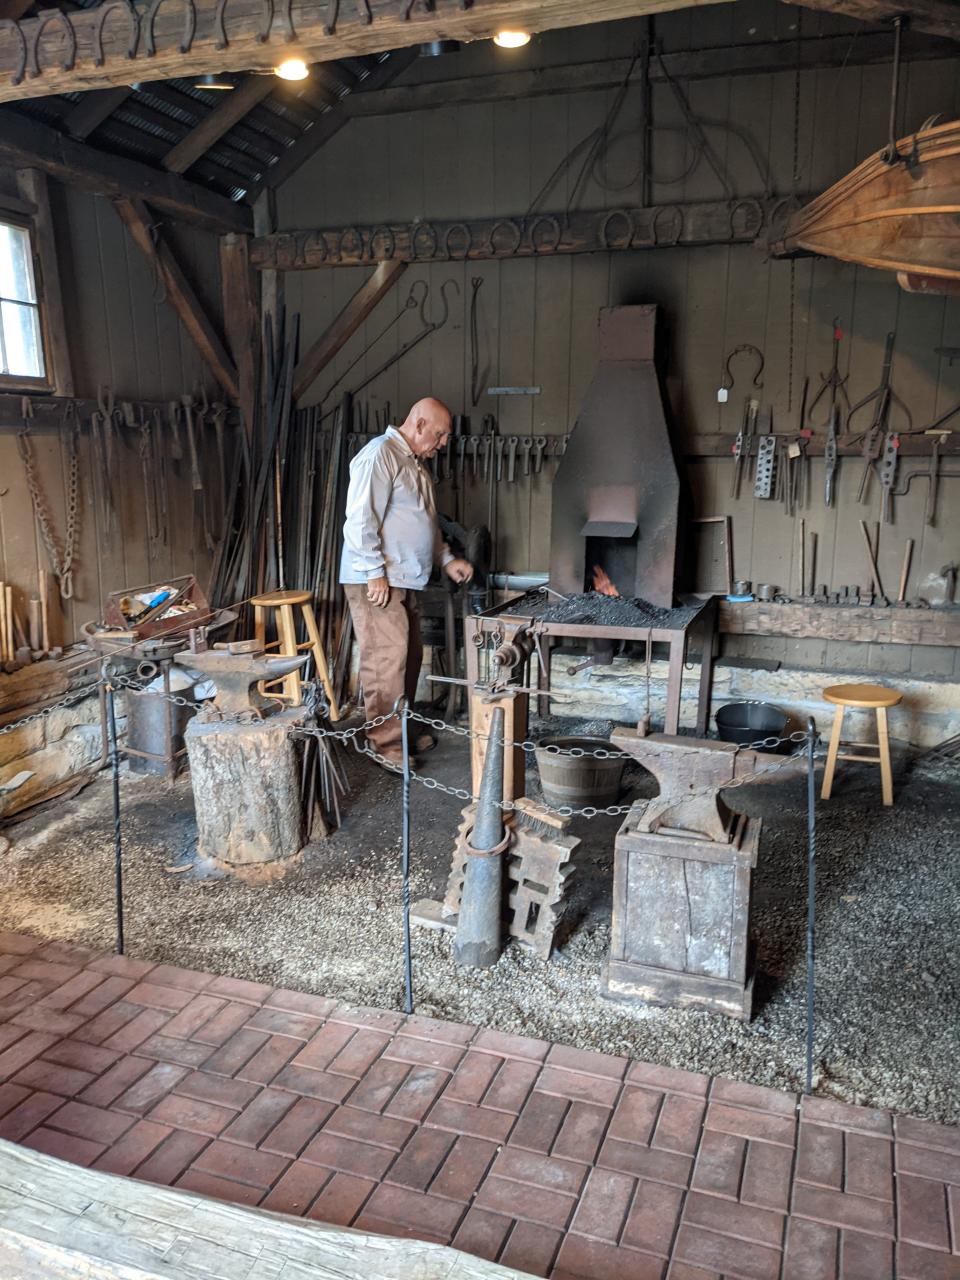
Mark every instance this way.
x=552 y=1160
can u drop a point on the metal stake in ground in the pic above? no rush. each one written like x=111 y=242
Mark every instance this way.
x=811 y=891
x=405 y=860
x=117 y=840
x=478 y=940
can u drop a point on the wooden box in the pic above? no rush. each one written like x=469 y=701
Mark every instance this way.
x=681 y=919
x=185 y=607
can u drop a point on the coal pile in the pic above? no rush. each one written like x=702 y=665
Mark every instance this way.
x=593 y=608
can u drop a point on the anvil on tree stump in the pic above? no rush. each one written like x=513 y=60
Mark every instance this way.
x=683 y=868
x=244 y=767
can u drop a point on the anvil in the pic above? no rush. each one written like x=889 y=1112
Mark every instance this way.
x=235 y=674
x=691 y=773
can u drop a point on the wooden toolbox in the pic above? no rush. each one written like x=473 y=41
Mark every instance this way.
x=152 y=610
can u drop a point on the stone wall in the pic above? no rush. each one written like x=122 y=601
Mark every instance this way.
x=50 y=750
x=928 y=714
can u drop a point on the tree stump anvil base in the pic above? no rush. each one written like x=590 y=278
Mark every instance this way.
x=246 y=790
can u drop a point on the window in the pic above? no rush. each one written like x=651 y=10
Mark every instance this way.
x=22 y=360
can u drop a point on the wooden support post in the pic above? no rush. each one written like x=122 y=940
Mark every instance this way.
x=241 y=320
x=385 y=275
x=180 y=294
x=515 y=713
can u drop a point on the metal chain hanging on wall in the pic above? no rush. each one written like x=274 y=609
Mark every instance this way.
x=61 y=562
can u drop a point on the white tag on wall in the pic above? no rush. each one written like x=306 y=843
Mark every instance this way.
x=722 y=395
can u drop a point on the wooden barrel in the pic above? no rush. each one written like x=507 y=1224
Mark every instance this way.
x=578 y=781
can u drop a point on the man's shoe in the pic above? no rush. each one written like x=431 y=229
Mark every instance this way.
x=426 y=742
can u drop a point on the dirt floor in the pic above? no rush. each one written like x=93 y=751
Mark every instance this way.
x=888 y=998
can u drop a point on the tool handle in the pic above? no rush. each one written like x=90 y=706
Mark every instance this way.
x=905 y=571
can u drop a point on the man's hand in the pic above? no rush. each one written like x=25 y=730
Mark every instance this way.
x=378 y=592
x=459 y=570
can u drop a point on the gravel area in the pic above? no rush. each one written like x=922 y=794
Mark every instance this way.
x=888 y=998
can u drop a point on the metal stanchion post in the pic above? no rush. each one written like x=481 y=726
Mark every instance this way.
x=405 y=861
x=811 y=891
x=117 y=839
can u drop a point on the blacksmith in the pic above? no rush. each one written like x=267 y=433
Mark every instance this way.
x=391 y=542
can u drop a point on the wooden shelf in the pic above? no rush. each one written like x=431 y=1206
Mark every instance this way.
x=894 y=625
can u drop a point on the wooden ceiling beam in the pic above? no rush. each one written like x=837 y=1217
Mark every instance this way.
x=815 y=53
x=219 y=121
x=93 y=108
x=101 y=56
x=934 y=17
x=25 y=142
x=180 y=294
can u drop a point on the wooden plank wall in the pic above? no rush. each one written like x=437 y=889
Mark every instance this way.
x=538 y=317
x=122 y=334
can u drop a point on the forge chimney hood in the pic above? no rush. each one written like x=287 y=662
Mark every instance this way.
x=617 y=492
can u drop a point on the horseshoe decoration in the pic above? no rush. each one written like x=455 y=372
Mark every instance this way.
x=676 y=224
x=623 y=243
x=752 y=222
x=407 y=7
x=385 y=234
x=354 y=250
x=464 y=231
x=17 y=77
x=102 y=14
x=423 y=229
x=189 y=26
x=548 y=220
x=52 y=15
x=745 y=348
x=286 y=21
x=513 y=228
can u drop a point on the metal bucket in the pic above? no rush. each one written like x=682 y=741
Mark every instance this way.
x=147 y=730
x=745 y=722
x=578 y=781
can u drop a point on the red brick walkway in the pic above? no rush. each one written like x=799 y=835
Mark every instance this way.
x=548 y=1159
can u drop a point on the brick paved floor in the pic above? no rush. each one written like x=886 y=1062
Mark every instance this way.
x=552 y=1160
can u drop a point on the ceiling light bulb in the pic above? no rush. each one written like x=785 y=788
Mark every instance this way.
x=292 y=69
x=512 y=39
x=211 y=81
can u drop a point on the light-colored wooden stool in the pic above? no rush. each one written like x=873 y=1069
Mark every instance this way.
x=284 y=603
x=873 y=697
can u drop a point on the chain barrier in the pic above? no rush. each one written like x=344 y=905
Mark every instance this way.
x=798 y=740
x=68 y=701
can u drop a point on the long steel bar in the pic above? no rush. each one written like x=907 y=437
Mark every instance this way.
x=117 y=834
x=405 y=861
x=811 y=893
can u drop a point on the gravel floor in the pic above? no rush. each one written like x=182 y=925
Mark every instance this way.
x=889 y=917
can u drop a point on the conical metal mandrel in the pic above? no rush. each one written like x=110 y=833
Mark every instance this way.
x=478 y=939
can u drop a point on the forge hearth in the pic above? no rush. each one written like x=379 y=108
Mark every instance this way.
x=616 y=492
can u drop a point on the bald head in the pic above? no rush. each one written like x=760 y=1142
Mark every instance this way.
x=426 y=428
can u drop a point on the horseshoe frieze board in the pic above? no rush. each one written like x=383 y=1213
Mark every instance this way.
x=741 y=221
x=71 y=51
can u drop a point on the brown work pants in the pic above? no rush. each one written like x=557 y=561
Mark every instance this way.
x=391 y=654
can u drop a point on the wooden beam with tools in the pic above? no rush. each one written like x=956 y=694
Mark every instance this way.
x=222 y=38
x=180 y=294
x=521 y=236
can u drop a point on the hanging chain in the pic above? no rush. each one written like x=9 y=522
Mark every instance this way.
x=61 y=561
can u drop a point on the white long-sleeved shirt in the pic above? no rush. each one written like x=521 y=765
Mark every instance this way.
x=391 y=529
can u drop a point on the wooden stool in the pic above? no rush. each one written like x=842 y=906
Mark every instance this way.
x=284 y=603
x=877 y=698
